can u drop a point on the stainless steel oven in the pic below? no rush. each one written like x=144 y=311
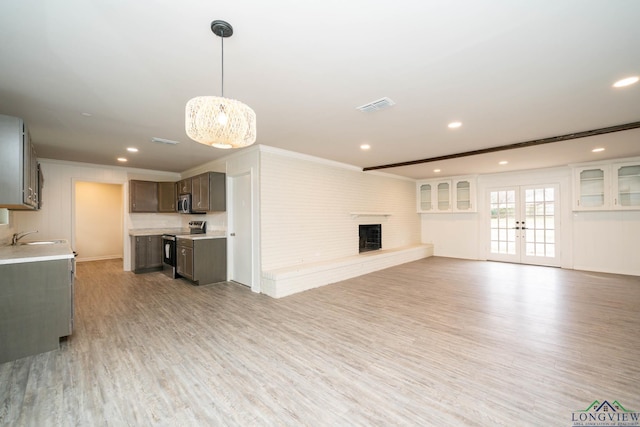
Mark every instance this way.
x=169 y=255
x=169 y=249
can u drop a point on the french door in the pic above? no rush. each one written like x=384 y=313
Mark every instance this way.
x=525 y=225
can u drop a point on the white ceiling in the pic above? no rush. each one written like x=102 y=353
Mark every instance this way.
x=511 y=71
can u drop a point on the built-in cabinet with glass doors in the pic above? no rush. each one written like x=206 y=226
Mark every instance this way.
x=607 y=186
x=455 y=194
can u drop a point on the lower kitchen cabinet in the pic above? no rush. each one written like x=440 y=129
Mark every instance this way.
x=36 y=307
x=147 y=253
x=202 y=261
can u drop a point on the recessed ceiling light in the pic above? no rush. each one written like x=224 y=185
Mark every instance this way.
x=86 y=114
x=597 y=150
x=454 y=125
x=122 y=159
x=626 y=82
x=504 y=162
x=365 y=146
x=132 y=149
x=436 y=170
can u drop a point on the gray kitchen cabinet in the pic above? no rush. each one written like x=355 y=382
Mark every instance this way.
x=147 y=253
x=167 y=197
x=209 y=192
x=202 y=261
x=143 y=196
x=184 y=261
x=184 y=186
x=19 y=173
x=36 y=307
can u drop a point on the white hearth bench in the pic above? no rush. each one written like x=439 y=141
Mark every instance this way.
x=286 y=281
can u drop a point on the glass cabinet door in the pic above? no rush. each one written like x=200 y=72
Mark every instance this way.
x=425 y=197
x=592 y=188
x=444 y=196
x=463 y=195
x=627 y=186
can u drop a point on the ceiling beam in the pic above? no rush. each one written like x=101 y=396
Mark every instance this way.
x=575 y=135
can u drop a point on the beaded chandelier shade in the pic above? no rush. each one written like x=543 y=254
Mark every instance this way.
x=218 y=121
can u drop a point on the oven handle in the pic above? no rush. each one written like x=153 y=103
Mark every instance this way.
x=166 y=237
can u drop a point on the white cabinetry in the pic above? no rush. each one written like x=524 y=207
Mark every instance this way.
x=464 y=192
x=443 y=196
x=607 y=186
x=457 y=194
x=626 y=185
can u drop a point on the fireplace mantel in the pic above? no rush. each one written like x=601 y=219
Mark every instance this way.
x=358 y=214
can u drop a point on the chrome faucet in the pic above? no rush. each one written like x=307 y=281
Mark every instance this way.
x=17 y=236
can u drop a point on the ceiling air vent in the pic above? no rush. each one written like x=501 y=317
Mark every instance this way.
x=376 y=105
x=164 y=141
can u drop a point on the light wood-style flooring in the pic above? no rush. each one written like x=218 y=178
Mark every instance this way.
x=436 y=342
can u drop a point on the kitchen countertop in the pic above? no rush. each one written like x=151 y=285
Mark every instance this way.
x=183 y=233
x=34 y=253
x=157 y=231
x=215 y=235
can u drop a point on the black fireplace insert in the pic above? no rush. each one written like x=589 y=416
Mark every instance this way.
x=370 y=237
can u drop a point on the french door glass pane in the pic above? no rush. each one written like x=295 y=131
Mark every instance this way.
x=503 y=210
x=539 y=223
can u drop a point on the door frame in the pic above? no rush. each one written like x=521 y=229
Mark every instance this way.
x=255 y=264
x=233 y=264
x=560 y=175
x=126 y=244
x=521 y=257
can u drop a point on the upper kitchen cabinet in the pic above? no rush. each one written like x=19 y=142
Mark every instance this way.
x=626 y=185
x=457 y=194
x=425 y=196
x=208 y=192
x=143 y=196
x=464 y=194
x=184 y=186
x=607 y=186
x=20 y=178
x=167 y=197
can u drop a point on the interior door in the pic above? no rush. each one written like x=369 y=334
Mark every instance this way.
x=240 y=230
x=524 y=224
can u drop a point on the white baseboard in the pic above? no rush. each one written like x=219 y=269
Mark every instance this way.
x=98 y=258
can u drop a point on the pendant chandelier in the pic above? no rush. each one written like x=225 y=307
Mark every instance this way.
x=218 y=121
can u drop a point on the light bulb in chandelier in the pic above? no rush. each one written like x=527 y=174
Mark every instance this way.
x=222 y=118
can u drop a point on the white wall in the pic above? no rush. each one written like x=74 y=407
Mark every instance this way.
x=607 y=242
x=452 y=235
x=594 y=241
x=99 y=221
x=306 y=206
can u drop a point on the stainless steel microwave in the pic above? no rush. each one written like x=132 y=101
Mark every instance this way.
x=184 y=203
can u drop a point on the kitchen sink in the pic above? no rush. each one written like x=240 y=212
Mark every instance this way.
x=44 y=242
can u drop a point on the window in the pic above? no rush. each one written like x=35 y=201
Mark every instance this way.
x=4 y=216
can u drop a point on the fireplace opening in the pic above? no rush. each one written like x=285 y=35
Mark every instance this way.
x=370 y=237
